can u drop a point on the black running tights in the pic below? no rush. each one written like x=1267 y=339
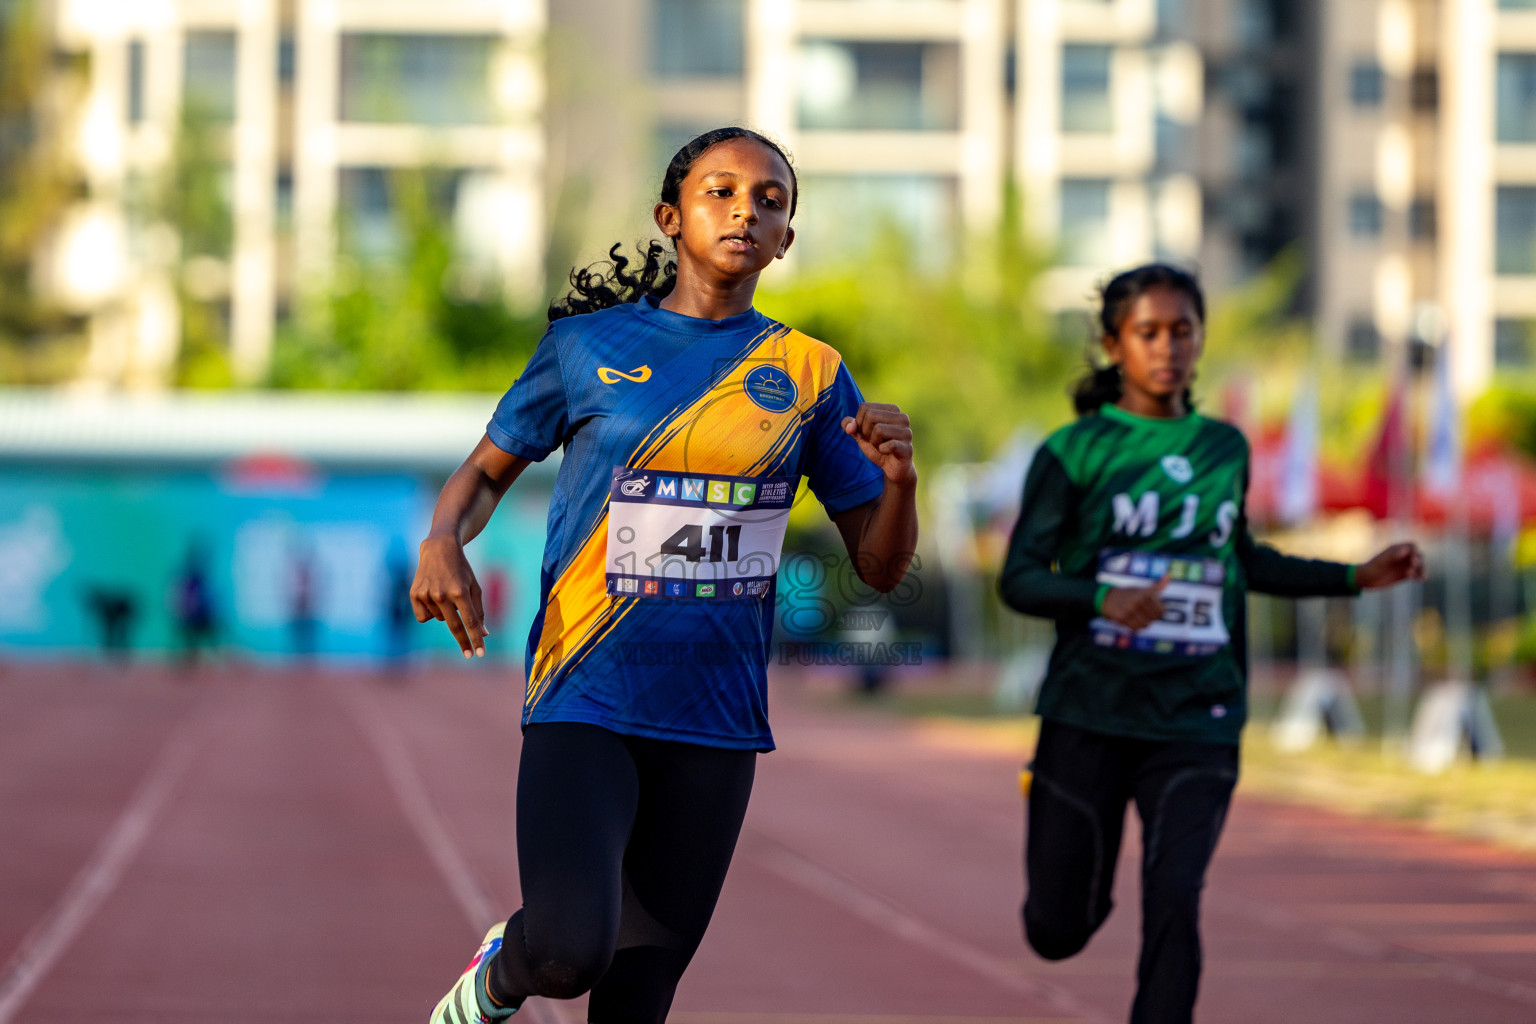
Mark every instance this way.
x=622 y=846
x=1082 y=783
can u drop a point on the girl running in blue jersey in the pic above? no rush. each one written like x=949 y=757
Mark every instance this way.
x=686 y=420
x=1133 y=538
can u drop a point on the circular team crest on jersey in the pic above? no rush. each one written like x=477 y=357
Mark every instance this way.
x=771 y=388
x=1178 y=468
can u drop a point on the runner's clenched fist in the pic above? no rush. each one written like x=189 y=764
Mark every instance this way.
x=884 y=435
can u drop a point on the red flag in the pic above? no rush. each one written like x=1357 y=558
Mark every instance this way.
x=1387 y=469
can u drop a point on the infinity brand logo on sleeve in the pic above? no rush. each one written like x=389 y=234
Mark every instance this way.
x=638 y=375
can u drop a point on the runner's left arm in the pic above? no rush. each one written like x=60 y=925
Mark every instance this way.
x=881 y=535
x=1270 y=572
x=445 y=587
x=530 y=421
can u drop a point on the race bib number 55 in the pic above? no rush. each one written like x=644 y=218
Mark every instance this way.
x=1193 y=622
x=695 y=536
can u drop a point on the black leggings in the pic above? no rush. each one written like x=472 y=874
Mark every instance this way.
x=1082 y=782
x=622 y=846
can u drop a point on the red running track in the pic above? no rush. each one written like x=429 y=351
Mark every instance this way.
x=252 y=847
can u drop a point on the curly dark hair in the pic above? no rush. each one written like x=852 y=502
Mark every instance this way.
x=610 y=282
x=1101 y=385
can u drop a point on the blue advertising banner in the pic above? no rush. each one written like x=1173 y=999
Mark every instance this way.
x=268 y=561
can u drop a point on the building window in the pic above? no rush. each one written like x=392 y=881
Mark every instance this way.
x=282 y=198
x=1424 y=90
x=1085 y=238
x=1171 y=144
x=1254 y=23
x=1421 y=219
x=697 y=38
x=1253 y=149
x=1362 y=343
x=671 y=136
x=855 y=212
x=1512 y=342
x=1172 y=17
x=1517 y=97
x=370 y=201
x=416 y=79
x=1367 y=84
x=858 y=86
x=208 y=84
x=135 y=81
x=1285 y=119
x=1515 y=230
x=1365 y=215
x=287 y=58
x=1085 y=99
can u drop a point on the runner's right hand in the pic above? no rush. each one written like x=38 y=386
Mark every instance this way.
x=1135 y=608
x=445 y=589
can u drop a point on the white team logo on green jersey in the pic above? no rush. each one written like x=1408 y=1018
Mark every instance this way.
x=1178 y=469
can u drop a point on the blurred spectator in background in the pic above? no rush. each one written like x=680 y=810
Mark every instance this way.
x=301 y=602
x=871 y=628
x=497 y=596
x=193 y=605
x=114 y=610
x=399 y=615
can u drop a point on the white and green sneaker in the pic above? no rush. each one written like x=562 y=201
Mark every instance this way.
x=465 y=1003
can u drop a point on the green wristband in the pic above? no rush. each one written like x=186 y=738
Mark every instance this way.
x=1099 y=596
x=1349 y=578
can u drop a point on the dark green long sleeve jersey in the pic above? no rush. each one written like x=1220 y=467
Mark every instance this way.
x=1117 y=499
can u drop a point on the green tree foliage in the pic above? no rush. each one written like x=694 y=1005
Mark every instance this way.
x=193 y=198
x=1506 y=414
x=38 y=343
x=414 y=318
x=966 y=352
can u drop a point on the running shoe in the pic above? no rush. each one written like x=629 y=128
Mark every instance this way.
x=462 y=1003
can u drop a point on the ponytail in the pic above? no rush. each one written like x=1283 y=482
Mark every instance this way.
x=609 y=282
x=1097 y=387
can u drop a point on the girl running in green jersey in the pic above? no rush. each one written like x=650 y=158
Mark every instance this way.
x=1133 y=537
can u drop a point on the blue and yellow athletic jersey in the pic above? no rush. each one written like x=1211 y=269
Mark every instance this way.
x=641 y=387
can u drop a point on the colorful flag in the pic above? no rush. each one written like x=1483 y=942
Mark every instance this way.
x=1387 y=469
x=1296 y=500
x=1504 y=491
x=1442 y=447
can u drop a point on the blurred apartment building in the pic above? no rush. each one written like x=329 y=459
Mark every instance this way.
x=1427 y=183
x=1391 y=144
x=308 y=103
x=556 y=118
x=921 y=112
x=1395 y=142
x=1392 y=141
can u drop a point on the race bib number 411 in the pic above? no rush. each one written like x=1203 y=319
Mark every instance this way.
x=695 y=536
x=1193 y=622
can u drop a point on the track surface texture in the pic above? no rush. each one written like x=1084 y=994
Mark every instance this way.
x=251 y=847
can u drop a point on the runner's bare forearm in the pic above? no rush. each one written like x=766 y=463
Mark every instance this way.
x=473 y=492
x=881 y=536
x=445 y=587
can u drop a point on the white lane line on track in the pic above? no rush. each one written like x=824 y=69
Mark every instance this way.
x=874 y=909
x=469 y=892
x=52 y=935
x=411 y=792
x=1348 y=940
